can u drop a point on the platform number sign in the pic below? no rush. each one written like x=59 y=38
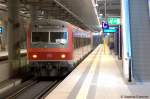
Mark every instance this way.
x=105 y=25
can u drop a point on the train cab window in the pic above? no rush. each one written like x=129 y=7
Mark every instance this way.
x=49 y=40
x=58 y=37
x=40 y=36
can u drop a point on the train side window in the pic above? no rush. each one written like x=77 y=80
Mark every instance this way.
x=74 y=43
x=85 y=41
x=78 y=42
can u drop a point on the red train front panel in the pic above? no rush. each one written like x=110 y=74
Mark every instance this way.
x=55 y=45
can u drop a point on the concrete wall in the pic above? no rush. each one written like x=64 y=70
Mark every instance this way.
x=140 y=36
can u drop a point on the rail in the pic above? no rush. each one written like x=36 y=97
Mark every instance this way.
x=34 y=89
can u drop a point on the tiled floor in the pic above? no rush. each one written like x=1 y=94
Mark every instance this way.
x=99 y=77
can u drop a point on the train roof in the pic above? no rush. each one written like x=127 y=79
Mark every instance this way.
x=56 y=22
x=51 y=22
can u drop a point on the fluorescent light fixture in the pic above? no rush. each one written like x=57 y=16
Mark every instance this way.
x=100 y=14
x=100 y=0
x=3 y=5
x=101 y=26
x=22 y=12
x=96 y=33
x=101 y=32
x=96 y=4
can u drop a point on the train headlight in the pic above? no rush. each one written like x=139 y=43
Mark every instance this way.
x=63 y=56
x=34 y=56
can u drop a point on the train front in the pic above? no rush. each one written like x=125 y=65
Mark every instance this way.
x=49 y=45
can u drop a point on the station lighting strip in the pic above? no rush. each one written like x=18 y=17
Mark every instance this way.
x=96 y=12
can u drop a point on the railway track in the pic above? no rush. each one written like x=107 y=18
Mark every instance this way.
x=31 y=90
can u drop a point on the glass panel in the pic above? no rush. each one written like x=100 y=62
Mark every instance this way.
x=40 y=36
x=49 y=40
x=58 y=37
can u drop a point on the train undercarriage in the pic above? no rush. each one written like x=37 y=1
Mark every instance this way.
x=51 y=69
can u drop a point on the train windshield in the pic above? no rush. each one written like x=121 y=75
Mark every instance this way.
x=58 y=37
x=40 y=36
x=49 y=39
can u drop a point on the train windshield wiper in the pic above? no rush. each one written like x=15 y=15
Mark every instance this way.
x=40 y=42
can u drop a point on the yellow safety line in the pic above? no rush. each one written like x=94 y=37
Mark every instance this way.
x=86 y=85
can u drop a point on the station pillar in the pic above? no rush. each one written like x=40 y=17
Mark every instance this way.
x=13 y=36
x=33 y=17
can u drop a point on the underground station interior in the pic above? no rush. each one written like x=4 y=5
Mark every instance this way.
x=74 y=49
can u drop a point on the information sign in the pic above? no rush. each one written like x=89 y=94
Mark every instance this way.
x=113 y=21
x=110 y=30
x=105 y=25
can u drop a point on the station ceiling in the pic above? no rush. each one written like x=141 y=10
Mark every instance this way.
x=113 y=7
x=82 y=13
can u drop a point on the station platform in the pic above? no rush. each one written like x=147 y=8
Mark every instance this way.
x=5 y=68
x=99 y=76
x=4 y=54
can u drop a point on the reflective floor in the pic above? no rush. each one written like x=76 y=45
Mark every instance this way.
x=99 y=76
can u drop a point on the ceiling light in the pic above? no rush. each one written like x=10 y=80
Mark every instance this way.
x=2 y=5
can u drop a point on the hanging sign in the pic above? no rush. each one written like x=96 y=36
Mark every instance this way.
x=113 y=21
x=105 y=25
x=110 y=30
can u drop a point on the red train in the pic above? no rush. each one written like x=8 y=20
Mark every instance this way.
x=56 y=43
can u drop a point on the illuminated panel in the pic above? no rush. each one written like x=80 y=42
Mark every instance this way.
x=113 y=21
x=1 y=29
x=126 y=37
x=149 y=7
x=109 y=30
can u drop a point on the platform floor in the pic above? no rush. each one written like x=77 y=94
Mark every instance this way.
x=99 y=76
x=5 y=53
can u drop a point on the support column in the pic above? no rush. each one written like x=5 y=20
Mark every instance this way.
x=33 y=17
x=13 y=36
